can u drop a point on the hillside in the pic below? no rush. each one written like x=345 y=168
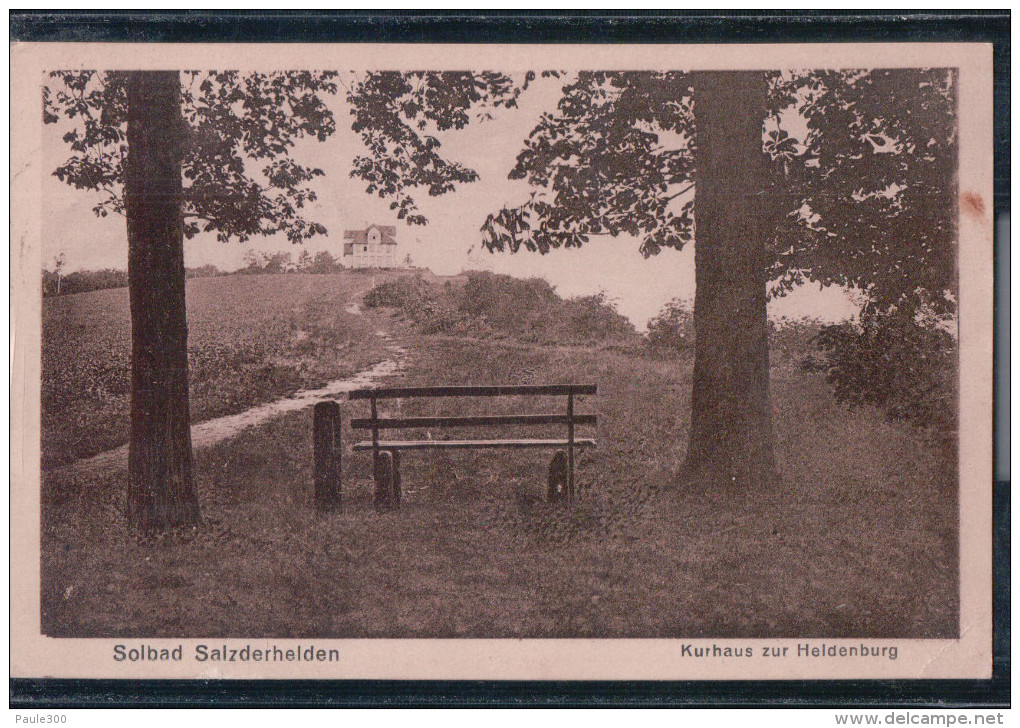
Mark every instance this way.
x=252 y=339
x=859 y=539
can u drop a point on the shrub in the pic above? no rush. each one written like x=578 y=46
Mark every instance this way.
x=203 y=271
x=83 y=281
x=531 y=310
x=895 y=361
x=323 y=263
x=512 y=305
x=404 y=292
x=487 y=304
x=672 y=332
x=420 y=302
x=672 y=329
x=594 y=318
x=794 y=341
x=256 y=263
x=437 y=317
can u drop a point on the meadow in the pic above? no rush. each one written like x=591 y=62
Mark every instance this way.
x=252 y=339
x=858 y=540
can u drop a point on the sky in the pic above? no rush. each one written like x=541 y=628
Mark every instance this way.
x=447 y=245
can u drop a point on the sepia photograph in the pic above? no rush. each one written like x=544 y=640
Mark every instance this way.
x=665 y=361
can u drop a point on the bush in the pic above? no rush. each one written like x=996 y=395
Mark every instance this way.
x=793 y=342
x=487 y=304
x=893 y=360
x=203 y=271
x=83 y=281
x=256 y=263
x=420 y=301
x=531 y=310
x=672 y=329
x=404 y=292
x=520 y=307
x=437 y=317
x=594 y=318
x=322 y=263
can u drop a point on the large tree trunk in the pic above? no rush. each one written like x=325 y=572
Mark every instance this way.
x=161 y=493
x=732 y=439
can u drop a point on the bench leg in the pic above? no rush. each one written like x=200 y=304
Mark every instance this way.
x=383 y=482
x=557 y=477
x=396 y=478
x=327 y=448
x=387 y=481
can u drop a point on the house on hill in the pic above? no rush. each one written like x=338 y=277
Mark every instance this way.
x=374 y=247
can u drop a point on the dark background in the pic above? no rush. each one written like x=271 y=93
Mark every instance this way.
x=578 y=27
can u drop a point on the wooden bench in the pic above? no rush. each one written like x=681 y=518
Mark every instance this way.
x=386 y=453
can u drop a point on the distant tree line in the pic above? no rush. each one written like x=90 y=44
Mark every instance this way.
x=57 y=283
x=283 y=262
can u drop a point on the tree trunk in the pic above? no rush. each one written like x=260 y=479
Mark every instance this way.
x=161 y=493
x=732 y=440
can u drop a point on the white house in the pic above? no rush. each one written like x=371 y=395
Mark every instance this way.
x=374 y=247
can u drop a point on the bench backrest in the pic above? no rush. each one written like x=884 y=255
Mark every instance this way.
x=375 y=423
x=496 y=390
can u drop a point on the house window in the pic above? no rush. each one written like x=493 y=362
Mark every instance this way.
x=365 y=249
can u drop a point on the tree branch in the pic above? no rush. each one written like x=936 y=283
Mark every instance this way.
x=686 y=189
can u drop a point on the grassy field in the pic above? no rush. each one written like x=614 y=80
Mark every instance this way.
x=860 y=539
x=252 y=339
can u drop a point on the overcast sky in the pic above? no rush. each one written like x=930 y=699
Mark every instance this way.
x=640 y=287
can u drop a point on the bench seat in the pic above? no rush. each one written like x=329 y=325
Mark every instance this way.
x=452 y=444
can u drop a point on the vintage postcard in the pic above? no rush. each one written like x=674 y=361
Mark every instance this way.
x=501 y=361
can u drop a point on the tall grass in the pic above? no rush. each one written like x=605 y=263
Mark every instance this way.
x=859 y=540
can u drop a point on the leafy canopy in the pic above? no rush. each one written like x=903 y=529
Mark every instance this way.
x=241 y=129
x=612 y=159
x=872 y=181
x=399 y=115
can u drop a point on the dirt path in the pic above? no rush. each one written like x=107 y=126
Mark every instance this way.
x=211 y=432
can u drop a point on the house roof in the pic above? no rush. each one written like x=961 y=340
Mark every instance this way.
x=387 y=235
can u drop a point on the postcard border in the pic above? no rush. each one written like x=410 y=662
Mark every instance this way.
x=990 y=27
